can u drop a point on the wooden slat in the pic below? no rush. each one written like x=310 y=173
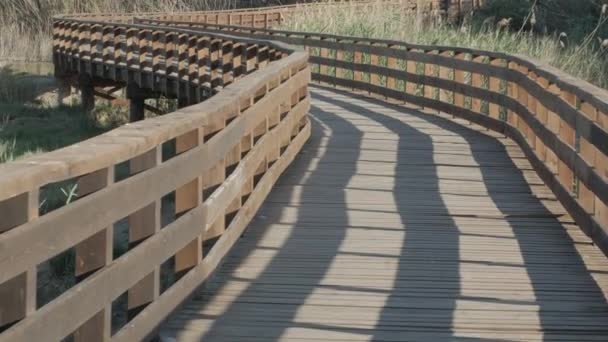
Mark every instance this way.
x=143 y=224
x=188 y=197
x=18 y=294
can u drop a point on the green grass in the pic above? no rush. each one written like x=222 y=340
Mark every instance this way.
x=587 y=61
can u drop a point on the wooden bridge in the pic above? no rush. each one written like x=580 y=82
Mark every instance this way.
x=410 y=193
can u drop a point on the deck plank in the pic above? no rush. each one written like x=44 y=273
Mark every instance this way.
x=396 y=225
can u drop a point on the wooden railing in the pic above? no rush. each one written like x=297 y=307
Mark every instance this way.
x=217 y=159
x=560 y=122
x=267 y=17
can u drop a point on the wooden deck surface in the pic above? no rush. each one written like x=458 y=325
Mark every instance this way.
x=396 y=225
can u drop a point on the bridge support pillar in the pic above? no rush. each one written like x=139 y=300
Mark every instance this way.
x=64 y=90
x=137 y=98
x=87 y=94
x=136 y=109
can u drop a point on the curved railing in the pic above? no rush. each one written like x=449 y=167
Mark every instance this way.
x=217 y=159
x=560 y=122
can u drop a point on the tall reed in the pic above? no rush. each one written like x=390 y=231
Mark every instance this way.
x=588 y=62
x=25 y=25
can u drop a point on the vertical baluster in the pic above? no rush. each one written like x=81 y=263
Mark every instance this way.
x=358 y=59
x=542 y=116
x=374 y=78
x=252 y=53
x=188 y=197
x=93 y=254
x=601 y=166
x=533 y=108
x=429 y=71
x=183 y=82
x=459 y=77
x=323 y=54
x=158 y=57
x=263 y=57
x=192 y=67
x=494 y=108
x=588 y=153
x=553 y=123
x=18 y=295
x=477 y=82
x=512 y=89
x=143 y=224
x=391 y=63
x=339 y=58
x=567 y=134
x=445 y=73
x=522 y=98
x=213 y=178
x=96 y=40
x=215 y=54
x=203 y=57
x=237 y=59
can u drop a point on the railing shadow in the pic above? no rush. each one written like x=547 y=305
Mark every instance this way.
x=251 y=313
x=427 y=280
x=555 y=268
x=553 y=265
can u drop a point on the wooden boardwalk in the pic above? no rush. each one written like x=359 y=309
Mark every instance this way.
x=396 y=225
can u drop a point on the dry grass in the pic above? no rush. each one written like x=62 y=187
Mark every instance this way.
x=380 y=21
x=25 y=25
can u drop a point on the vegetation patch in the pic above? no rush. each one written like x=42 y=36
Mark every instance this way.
x=577 y=50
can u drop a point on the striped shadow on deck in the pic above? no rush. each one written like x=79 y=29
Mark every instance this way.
x=396 y=225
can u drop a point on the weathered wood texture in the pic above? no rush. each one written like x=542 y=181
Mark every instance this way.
x=253 y=90
x=400 y=225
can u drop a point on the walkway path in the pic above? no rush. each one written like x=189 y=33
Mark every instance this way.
x=396 y=225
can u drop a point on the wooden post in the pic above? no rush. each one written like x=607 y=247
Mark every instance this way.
x=445 y=95
x=553 y=123
x=18 y=295
x=588 y=153
x=567 y=135
x=211 y=179
x=339 y=58
x=358 y=59
x=374 y=78
x=391 y=63
x=601 y=166
x=494 y=109
x=93 y=254
x=410 y=67
x=512 y=92
x=188 y=197
x=143 y=224
x=459 y=77
x=429 y=71
x=323 y=54
x=522 y=98
x=542 y=115
x=477 y=81
x=227 y=63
